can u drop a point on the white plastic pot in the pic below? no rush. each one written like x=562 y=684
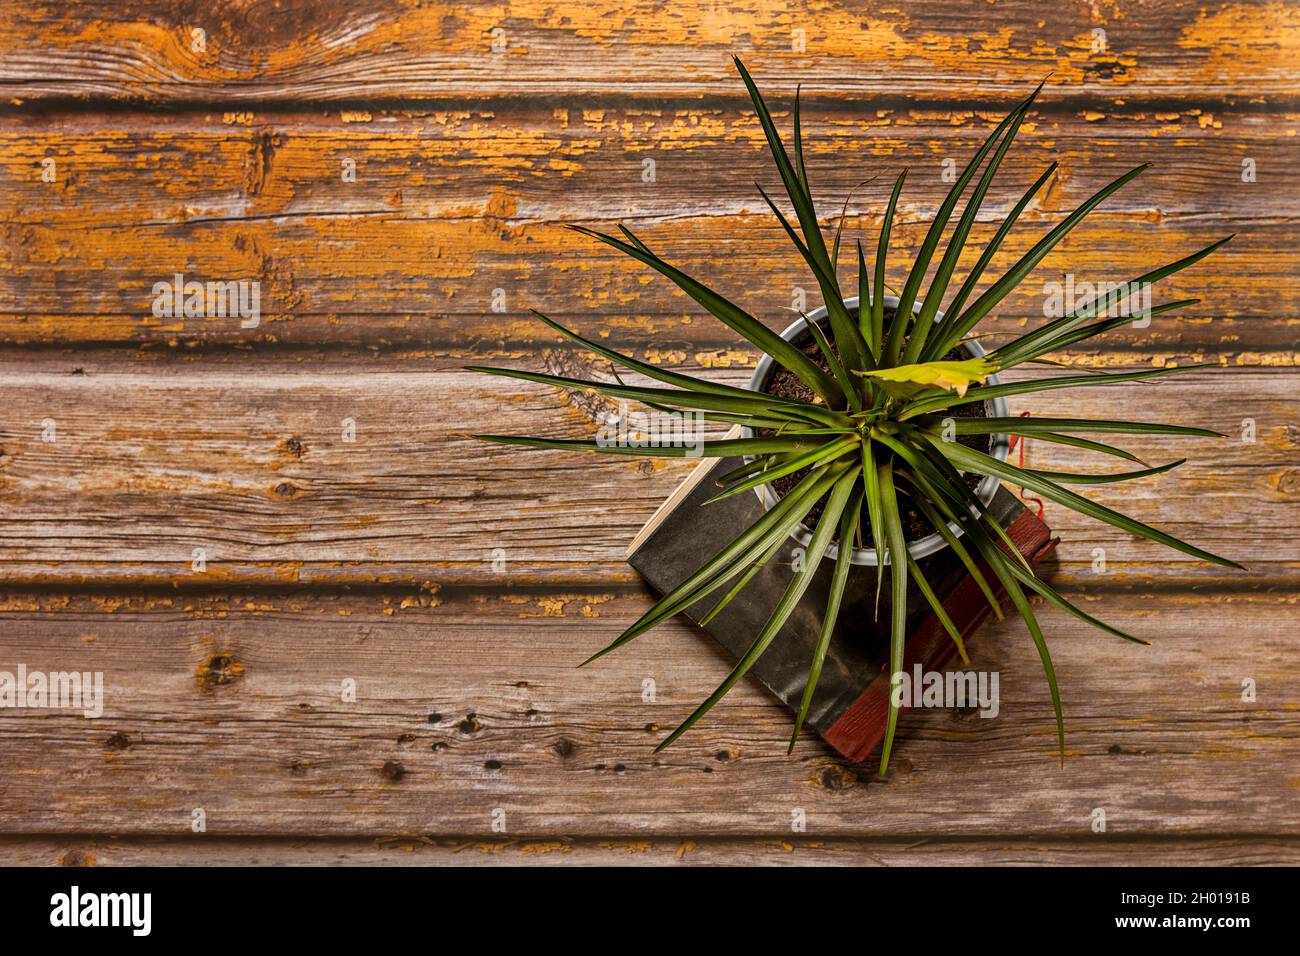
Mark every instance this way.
x=988 y=487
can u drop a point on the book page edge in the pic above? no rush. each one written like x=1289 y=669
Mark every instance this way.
x=674 y=499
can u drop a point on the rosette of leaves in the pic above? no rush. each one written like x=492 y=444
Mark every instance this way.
x=873 y=435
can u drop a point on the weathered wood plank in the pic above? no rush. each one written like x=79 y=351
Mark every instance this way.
x=374 y=281
x=525 y=162
x=154 y=461
x=468 y=701
x=418 y=850
x=448 y=236
x=441 y=222
x=419 y=50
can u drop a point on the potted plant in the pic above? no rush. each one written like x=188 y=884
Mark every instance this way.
x=876 y=428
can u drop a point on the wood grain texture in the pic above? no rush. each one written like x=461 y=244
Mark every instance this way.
x=452 y=229
x=421 y=850
x=459 y=584
x=469 y=701
x=256 y=471
x=413 y=49
x=394 y=285
x=521 y=163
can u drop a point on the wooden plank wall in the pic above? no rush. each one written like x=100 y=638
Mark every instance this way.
x=457 y=585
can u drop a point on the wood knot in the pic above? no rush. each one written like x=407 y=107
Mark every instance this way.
x=470 y=725
x=898 y=767
x=834 y=778
x=78 y=858
x=563 y=747
x=392 y=770
x=1288 y=483
x=218 y=670
x=118 y=741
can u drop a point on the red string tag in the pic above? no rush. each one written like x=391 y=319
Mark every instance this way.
x=1019 y=441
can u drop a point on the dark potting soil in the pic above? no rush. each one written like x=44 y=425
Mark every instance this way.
x=785 y=384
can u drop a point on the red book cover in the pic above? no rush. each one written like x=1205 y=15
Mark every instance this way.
x=861 y=726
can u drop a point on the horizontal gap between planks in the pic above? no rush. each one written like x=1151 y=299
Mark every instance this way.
x=898 y=840
x=188 y=346
x=1274 y=580
x=1049 y=102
